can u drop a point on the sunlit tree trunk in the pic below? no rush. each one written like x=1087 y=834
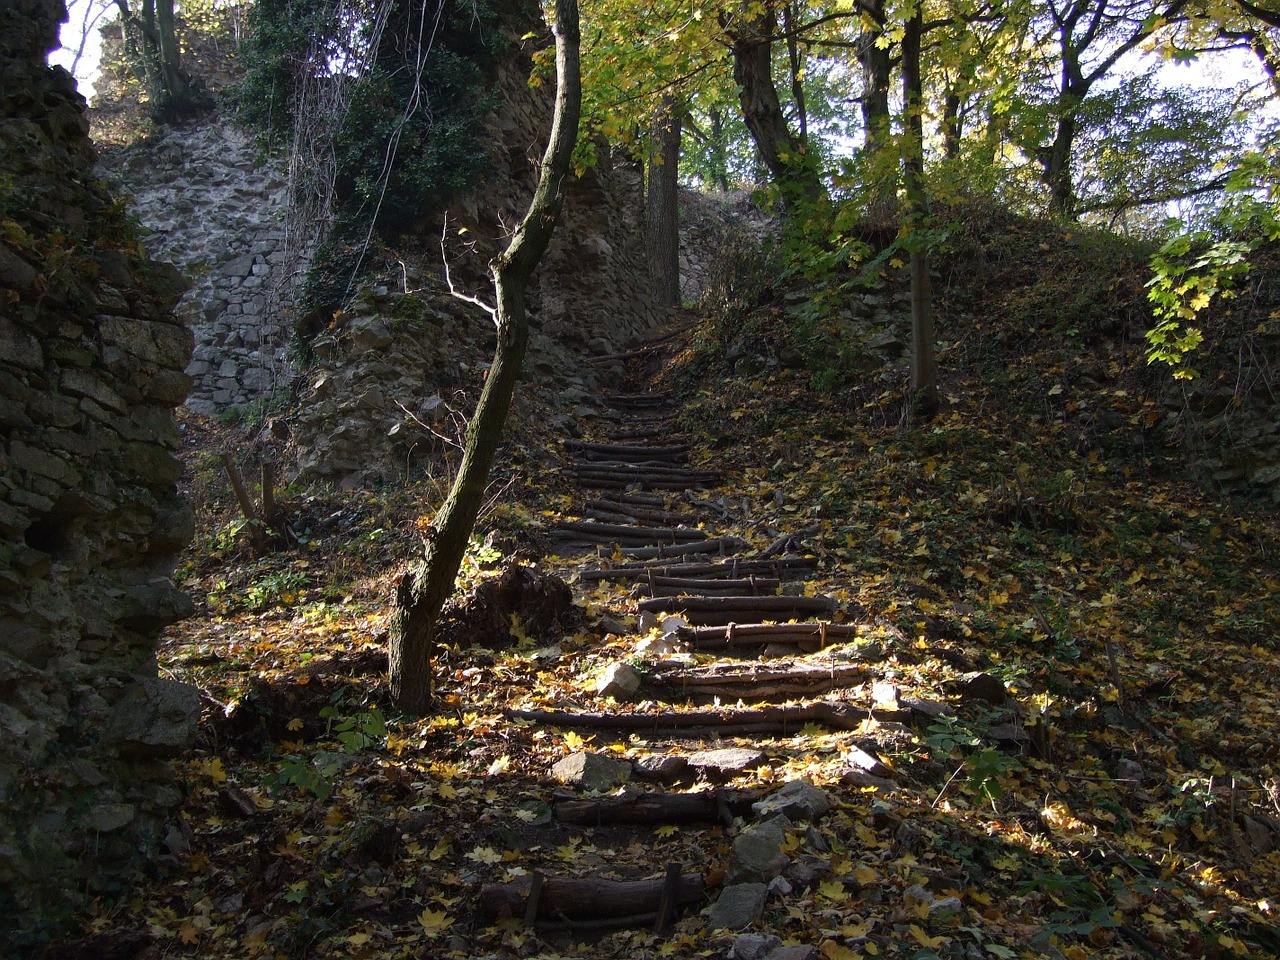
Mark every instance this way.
x=662 y=202
x=423 y=590
x=781 y=151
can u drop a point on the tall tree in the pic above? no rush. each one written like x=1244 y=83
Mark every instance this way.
x=662 y=201
x=1091 y=37
x=151 y=31
x=423 y=590
x=924 y=369
x=751 y=30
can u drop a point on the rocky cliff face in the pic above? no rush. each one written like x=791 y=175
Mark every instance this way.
x=91 y=366
x=211 y=202
x=383 y=370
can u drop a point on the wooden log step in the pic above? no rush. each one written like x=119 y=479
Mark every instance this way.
x=620 y=531
x=642 y=483
x=759 y=681
x=658 y=586
x=626 y=451
x=721 y=545
x=639 y=511
x=620 y=468
x=638 y=496
x=637 y=401
x=718 y=545
x=734 y=567
x=729 y=722
x=807 y=636
x=657 y=808
x=710 y=611
x=561 y=900
x=639 y=516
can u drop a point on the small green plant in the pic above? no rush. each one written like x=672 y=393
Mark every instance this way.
x=281 y=588
x=312 y=775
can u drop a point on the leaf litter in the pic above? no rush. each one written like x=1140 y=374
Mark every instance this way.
x=1124 y=801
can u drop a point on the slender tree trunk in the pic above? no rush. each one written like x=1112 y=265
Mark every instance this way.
x=422 y=591
x=719 y=151
x=1056 y=161
x=924 y=371
x=780 y=150
x=662 y=200
x=952 y=126
x=796 y=62
x=876 y=65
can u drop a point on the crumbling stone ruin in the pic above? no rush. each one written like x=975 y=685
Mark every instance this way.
x=91 y=367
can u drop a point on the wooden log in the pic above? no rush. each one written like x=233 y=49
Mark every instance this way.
x=718 y=545
x=734 y=567
x=638 y=511
x=570 y=899
x=637 y=401
x=757 y=681
x=607 y=531
x=629 y=452
x=654 y=809
x=663 y=586
x=782 y=719
x=619 y=470
x=640 y=483
x=714 y=611
x=812 y=636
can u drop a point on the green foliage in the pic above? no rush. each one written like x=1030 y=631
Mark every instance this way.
x=1194 y=268
x=363 y=729
x=405 y=138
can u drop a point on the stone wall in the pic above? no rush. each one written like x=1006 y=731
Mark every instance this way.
x=91 y=362
x=213 y=204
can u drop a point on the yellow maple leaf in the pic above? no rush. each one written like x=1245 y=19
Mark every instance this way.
x=188 y=933
x=574 y=741
x=434 y=922
x=864 y=875
x=667 y=830
x=485 y=855
x=833 y=890
x=924 y=939
x=214 y=770
x=439 y=850
x=836 y=951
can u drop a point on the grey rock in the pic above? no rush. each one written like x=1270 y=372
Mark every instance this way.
x=753 y=946
x=806 y=868
x=730 y=761
x=738 y=906
x=619 y=680
x=663 y=768
x=1131 y=771
x=978 y=686
x=796 y=799
x=155 y=718
x=756 y=854
x=592 y=771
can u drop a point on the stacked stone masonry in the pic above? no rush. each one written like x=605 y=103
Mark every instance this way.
x=380 y=378
x=211 y=202
x=91 y=367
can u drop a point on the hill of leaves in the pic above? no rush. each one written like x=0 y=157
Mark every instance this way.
x=1036 y=530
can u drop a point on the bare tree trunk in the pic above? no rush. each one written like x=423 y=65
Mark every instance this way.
x=924 y=372
x=422 y=591
x=663 y=224
x=790 y=15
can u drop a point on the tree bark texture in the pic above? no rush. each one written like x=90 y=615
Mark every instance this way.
x=663 y=207
x=924 y=372
x=423 y=591
x=781 y=151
